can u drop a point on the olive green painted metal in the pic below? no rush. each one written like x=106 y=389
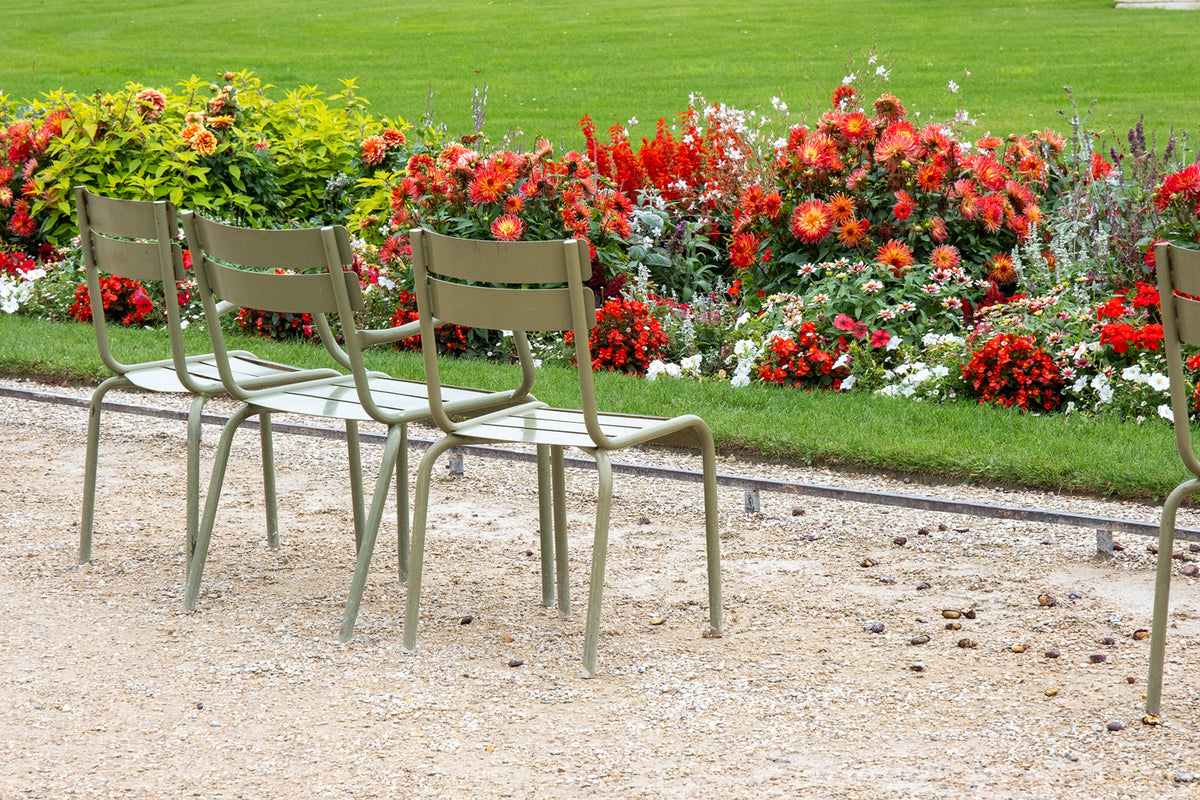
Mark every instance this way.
x=139 y=240
x=460 y=281
x=236 y=265
x=1178 y=271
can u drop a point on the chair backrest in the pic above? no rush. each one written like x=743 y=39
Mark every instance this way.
x=1178 y=270
x=239 y=266
x=137 y=240
x=507 y=286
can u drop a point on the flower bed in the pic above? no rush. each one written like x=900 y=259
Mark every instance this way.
x=860 y=251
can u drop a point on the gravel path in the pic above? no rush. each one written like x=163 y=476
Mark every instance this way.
x=107 y=689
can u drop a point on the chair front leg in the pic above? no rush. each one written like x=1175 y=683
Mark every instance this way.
x=192 y=480
x=383 y=482
x=712 y=533
x=416 y=557
x=1162 y=591
x=403 y=527
x=216 y=481
x=268 y=466
x=545 y=524
x=354 y=456
x=591 y=633
x=562 y=571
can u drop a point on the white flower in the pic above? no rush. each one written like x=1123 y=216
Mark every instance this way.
x=745 y=348
x=1133 y=373
x=655 y=369
x=691 y=365
x=1157 y=381
x=848 y=383
x=953 y=86
x=779 y=105
x=941 y=370
x=872 y=286
x=842 y=361
x=742 y=320
x=893 y=343
x=632 y=122
x=739 y=380
x=849 y=79
x=1165 y=412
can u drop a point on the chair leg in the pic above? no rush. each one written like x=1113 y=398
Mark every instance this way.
x=193 y=474
x=416 y=557
x=562 y=572
x=545 y=524
x=402 y=499
x=712 y=533
x=354 y=455
x=268 y=466
x=87 y=518
x=591 y=634
x=216 y=481
x=382 y=483
x=1162 y=591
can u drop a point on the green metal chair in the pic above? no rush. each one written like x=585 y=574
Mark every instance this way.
x=138 y=240
x=524 y=287
x=237 y=266
x=1178 y=272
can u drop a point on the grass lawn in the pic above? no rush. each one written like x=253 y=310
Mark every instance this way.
x=546 y=64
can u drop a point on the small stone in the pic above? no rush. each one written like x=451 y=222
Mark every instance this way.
x=1194 y=547
x=953 y=626
x=1047 y=600
x=923 y=585
x=1098 y=658
x=1130 y=680
x=1052 y=653
x=1115 y=726
x=200 y=706
x=1153 y=548
x=1184 y=777
x=868 y=562
x=467 y=620
x=658 y=620
x=900 y=541
x=797 y=512
x=877 y=627
x=951 y=613
x=1118 y=547
x=1019 y=648
x=1108 y=640
x=1152 y=720
x=943 y=526
x=917 y=666
x=1177 y=555
x=920 y=638
x=962 y=530
x=888 y=579
x=516 y=662
x=969 y=613
x=1075 y=595
x=1140 y=634
x=1191 y=570
x=922 y=531
x=528 y=553
x=644 y=521
x=1052 y=693
x=967 y=644
x=507 y=639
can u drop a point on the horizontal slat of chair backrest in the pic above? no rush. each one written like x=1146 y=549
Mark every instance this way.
x=126 y=219
x=139 y=261
x=500 y=262
x=1185 y=280
x=310 y=293
x=296 y=250
x=500 y=309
